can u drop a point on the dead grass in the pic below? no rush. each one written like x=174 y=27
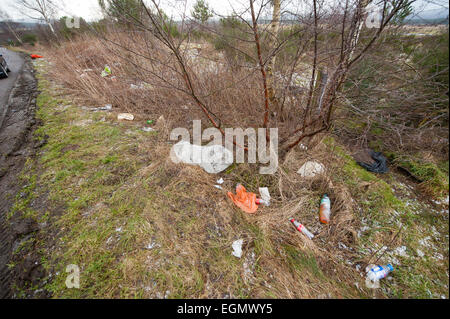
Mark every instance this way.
x=141 y=226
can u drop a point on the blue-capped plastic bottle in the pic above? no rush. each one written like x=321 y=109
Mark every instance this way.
x=379 y=272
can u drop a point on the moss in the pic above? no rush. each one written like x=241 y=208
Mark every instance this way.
x=434 y=181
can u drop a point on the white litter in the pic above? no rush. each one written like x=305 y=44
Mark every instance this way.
x=148 y=129
x=213 y=159
x=220 y=181
x=237 y=248
x=218 y=187
x=303 y=147
x=311 y=169
x=265 y=196
x=125 y=116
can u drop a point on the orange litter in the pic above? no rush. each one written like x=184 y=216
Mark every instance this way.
x=243 y=200
x=35 y=56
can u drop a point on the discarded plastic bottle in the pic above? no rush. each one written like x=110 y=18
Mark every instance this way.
x=301 y=228
x=379 y=272
x=325 y=209
x=260 y=201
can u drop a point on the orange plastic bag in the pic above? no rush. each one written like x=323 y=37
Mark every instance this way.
x=35 y=56
x=243 y=200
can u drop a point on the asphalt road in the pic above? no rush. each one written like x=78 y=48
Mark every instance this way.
x=15 y=63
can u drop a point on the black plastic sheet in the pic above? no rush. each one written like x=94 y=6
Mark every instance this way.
x=378 y=166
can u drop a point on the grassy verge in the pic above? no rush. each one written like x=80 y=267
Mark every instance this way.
x=398 y=227
x=140 y=226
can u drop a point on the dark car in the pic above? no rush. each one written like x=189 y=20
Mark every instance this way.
x=4 y=69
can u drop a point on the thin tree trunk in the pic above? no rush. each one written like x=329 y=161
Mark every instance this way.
x=13 y=32
x=274 y=28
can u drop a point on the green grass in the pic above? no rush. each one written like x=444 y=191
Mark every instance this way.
x=387 y=213
x=110 y=197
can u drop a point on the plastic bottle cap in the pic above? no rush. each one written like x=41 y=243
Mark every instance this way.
x=390 y=267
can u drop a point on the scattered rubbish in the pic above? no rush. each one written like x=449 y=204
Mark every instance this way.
x=218 y=187
x=375 y=273
x=237 y=248
x=148 y=129
x=87 y=70
x=220 y=181
x=36 y=56
x=149 y=122
x=140 y=86
x=213 y=159
x=400 y=251
x=378 y=166
x=310 y=169
x=302 y=147
x=107 y=107
x=325 y=209
x=83 y=75
x=106 y=71
x=265 y=196
x=301 y=228
x=125 y=116
x=113 y=78
x=244 y=200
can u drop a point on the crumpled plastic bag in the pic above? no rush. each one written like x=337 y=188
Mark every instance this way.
x=213 y=158
x=244 y=200
x=378 y=166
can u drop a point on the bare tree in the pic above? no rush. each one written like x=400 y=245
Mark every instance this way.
x=6 y=20
x=328 y=43
x=39 y=10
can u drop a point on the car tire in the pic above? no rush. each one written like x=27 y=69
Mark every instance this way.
x=5 y=74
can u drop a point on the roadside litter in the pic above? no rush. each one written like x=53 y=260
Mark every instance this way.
x=107 y=107
x=378 y=166
x=213 y=159
x=140 y=86
x=148 y=129
x=237 y=248
x=125 y=116
x=219 y=182
x=243 y=199
x=310 y=169
x=301 y=228
x=265 y=196
x=106 y=71
x=375 y=273
x=325 y=209
x=36 y=56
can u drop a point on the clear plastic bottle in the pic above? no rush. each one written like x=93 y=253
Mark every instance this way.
x=325 y=209
x=301 y=228
x=379 y=272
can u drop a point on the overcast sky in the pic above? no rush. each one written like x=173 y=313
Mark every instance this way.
x=89 y=9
